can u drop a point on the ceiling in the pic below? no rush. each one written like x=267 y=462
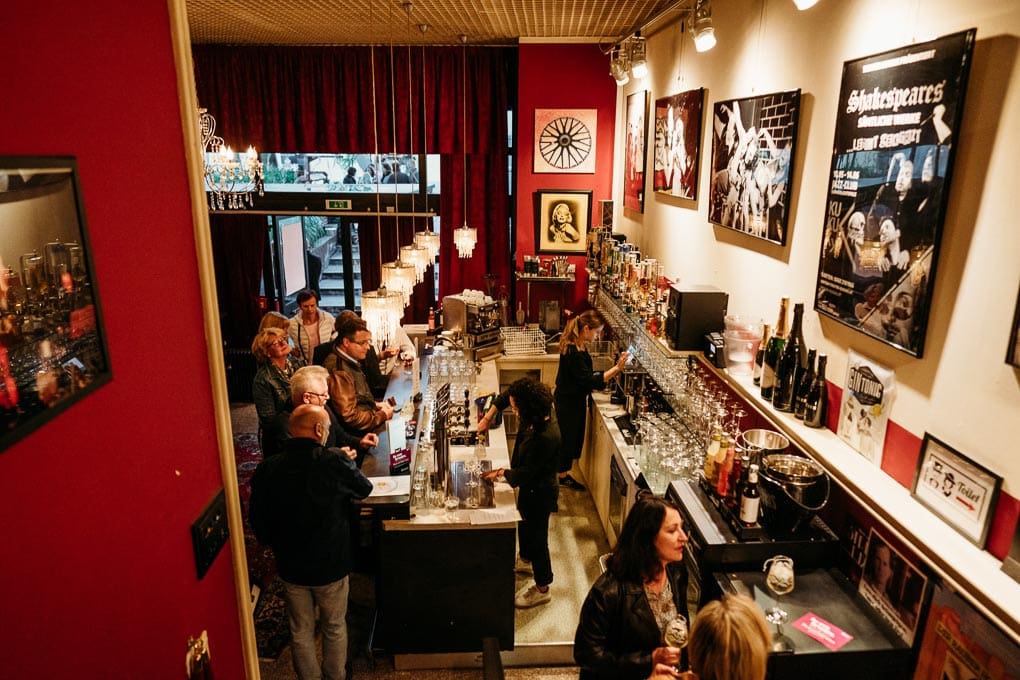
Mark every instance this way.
x=365 y=22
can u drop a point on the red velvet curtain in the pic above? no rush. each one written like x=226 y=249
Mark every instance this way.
x=239 y=244
x=320 y=99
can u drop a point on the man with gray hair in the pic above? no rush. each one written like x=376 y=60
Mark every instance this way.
x=309 y=385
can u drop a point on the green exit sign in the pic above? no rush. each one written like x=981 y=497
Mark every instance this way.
x=338 y=204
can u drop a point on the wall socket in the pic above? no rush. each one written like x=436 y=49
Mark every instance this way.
x=210 y=532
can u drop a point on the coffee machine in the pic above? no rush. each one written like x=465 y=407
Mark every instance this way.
x=691 y=312
x=475 y=321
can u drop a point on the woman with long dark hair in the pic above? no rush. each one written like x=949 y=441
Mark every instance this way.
x=532 y=472
x=575 y=381
x=620 y=631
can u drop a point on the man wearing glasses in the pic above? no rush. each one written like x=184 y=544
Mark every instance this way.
x=349 y=392
x=309 y=386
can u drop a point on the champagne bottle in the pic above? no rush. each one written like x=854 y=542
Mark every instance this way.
x=792 y=360
x=817 y=401
x=773 y=351
x=750 y=499
x=759 y=358
x=807 y=378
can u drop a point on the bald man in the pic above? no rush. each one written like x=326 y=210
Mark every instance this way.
x=300 y=506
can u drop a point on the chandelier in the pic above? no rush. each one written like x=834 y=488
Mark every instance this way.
x=418 y=257
x=465 y=237
x=230 y=179
x=381 y=311
x=429 y=240
x=399 y=276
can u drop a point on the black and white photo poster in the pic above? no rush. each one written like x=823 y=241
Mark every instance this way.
x=678 y=143
x=753 y=143
x=898 y=119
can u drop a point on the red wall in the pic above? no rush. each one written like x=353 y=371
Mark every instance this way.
x=97 y=578
x=570 y=77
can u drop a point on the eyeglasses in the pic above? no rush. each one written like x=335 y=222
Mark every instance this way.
x=279 y=342
x=363 y=343
x=320 y=395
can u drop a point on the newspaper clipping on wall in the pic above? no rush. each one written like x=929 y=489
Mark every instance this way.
x=864 y=411
x=896 y=131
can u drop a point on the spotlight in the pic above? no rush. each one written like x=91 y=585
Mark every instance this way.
x=704 y=33
x=619 y=67
x=638 y=57
x=805 y=4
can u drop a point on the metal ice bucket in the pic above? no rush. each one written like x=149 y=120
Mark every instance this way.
x=792 y=490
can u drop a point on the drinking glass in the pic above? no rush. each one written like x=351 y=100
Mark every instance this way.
x=675 y=634
x=779 y=579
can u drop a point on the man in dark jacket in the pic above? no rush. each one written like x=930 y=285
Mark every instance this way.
x=300 y=506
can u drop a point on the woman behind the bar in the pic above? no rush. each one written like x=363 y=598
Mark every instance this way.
x=575 y=381
x=620 y=631
x=533 y=472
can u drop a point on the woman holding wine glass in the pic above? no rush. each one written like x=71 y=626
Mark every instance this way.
x=628 y=611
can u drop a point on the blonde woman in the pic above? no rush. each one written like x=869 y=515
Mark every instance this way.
x=574 y=384
x=729 y=640
x=271 y=386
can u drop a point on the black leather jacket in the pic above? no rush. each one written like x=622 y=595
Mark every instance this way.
x=617 y=632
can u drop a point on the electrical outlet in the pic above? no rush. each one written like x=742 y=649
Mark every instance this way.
x=210 y=532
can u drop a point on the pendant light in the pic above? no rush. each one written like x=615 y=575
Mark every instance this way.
x=380 y=309
x=465 y=237
x=426 y=238
x=397 y=275
x=413 y=254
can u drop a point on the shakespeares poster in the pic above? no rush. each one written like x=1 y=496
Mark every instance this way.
x=864 y=411
x=896 y=136
x=961 y=644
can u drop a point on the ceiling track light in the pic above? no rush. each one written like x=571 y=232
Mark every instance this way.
x=619 y=64
x=638 y=56
x=702 y=30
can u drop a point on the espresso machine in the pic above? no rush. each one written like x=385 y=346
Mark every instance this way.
x=475 y=321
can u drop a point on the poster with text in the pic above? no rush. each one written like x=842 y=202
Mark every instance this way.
x=868 y=394
x=961 y=644
x=677 y=144
x=634 y=154
x=896 y=135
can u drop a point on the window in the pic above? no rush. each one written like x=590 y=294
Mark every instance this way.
x=349 y=173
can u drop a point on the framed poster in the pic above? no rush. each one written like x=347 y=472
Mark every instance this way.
x=893 y=586
x=1013 y=351
x=956 y=489
x=959 y=643
x=562 y=217
x=899 y=114
x=753 y=147
x=678 y=144
x=634 y=153
x=52 y=342
x=565 y=140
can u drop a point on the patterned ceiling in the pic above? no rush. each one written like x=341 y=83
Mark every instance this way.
x=361 y=22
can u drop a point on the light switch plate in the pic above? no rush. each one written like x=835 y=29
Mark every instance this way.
x=210 y=532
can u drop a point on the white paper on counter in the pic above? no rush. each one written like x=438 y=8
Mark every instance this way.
x=391 y=486
x=494 y=515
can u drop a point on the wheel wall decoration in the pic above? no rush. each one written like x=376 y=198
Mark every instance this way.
x=565 y=140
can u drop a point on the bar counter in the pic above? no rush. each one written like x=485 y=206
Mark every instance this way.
x=445 y=580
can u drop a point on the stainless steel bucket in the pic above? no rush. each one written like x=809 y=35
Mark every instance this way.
x=792 y=489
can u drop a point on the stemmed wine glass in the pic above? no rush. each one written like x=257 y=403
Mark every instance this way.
x=779 y=579
x=675 y=634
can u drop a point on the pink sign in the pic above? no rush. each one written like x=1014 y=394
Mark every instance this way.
x=823 y=631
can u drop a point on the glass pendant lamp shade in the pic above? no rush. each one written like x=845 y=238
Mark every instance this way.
x=465 y=239
x=417 y=257
x=429 y=240
x=381 y=310
x=399 y=276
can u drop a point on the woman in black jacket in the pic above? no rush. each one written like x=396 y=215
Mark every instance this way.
x=619 y=634
x=533 y=472
x=575 y=381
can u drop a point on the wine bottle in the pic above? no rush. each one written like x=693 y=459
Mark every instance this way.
x=793 y=358
x=773 y=351
x=750 y=499
x=759 y=358
x=817 y=401
x=807 y=378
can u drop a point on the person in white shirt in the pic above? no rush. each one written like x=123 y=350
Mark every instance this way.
x=311 y=326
